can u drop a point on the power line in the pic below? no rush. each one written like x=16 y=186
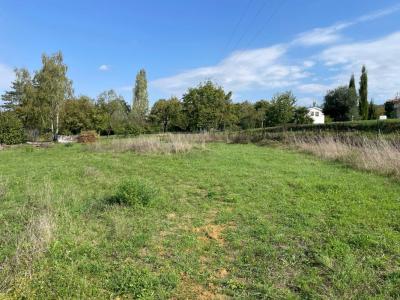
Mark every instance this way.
x=269 y=19
x=254 y=18
x=238 y=24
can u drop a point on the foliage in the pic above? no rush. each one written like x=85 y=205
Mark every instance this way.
x=23 y=101
x=77 y=115
x=246 y=115
x=140 y=103
x=341 y=104
x=207 y=107
x=52 y=89
x=363 y=91
x=301 y=116
x=11 y=129
x=168 y=114
x=365 y=126
x=390 y=111
x=133 y=192
x=281 y=110
x=114 y=111
x=372 y=111
x=261 y=107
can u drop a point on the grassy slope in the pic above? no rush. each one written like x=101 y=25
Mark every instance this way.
x=236 y=220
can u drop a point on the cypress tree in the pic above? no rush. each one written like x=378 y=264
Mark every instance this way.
x=140 y=103
x=363 y=91
x=352 y=84
x=372 y=113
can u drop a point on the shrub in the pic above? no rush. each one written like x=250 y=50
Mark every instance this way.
x=87 y=137
x=11 y=129
x=133 y=192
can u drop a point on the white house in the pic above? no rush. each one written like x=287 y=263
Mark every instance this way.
x=317 y=115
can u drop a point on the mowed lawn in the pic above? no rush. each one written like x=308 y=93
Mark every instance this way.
x=231 y=221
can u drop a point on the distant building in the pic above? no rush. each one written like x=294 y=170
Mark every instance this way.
x=317 y=115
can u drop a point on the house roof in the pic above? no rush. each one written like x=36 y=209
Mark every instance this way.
x=315 y=107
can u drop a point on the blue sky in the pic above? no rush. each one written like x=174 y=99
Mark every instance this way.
x=254 y=48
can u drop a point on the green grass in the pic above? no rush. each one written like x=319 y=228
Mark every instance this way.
x=235 y=221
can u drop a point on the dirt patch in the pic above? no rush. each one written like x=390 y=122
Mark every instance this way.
x=171 y=216
x=222 y=273
x=211 y=232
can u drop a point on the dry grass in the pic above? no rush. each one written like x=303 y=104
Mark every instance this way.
x=160 y=143
x=375 y=154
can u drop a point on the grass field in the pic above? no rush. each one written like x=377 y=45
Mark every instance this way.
x=237 y=221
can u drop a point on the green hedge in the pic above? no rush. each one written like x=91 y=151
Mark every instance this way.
x=372 y=126
x=11 y=129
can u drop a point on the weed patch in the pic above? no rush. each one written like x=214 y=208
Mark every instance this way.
x=134 y=192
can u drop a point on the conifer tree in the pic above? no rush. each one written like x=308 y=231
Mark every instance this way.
x=363 y=91
x=352 y=84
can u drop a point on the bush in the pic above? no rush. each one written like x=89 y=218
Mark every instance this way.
x=134 y=192
x=11 y=129
x=87 y=137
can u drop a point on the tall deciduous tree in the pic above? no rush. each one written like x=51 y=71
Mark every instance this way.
x=168 y=114
x=140 y=103
x=115 y=112
x=261 y=107
x=52 y=89
x=301 y=116
x=207 y=107
x=282 y=109
x=78 y=115
x=363 y=104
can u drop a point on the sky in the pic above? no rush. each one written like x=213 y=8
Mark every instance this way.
x=254 y=48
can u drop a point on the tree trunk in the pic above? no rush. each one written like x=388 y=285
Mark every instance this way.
x=57 y=123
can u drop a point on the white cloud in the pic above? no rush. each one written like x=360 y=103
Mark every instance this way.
x=308 y=63
x=321 y=36
x=379 y=14
x=332 y=34
x=6 y=76
x=272 y=68
x=313 y=88
x=104 y=68
x=242 y=70
x=381 y=57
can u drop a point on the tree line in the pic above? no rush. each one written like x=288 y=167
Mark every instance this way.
x=43 y=104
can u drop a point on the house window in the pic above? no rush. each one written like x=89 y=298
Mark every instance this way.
x=317 y=113
x=312 y=114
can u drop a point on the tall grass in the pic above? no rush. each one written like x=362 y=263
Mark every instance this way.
x=160 y=143
x=376 y=154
